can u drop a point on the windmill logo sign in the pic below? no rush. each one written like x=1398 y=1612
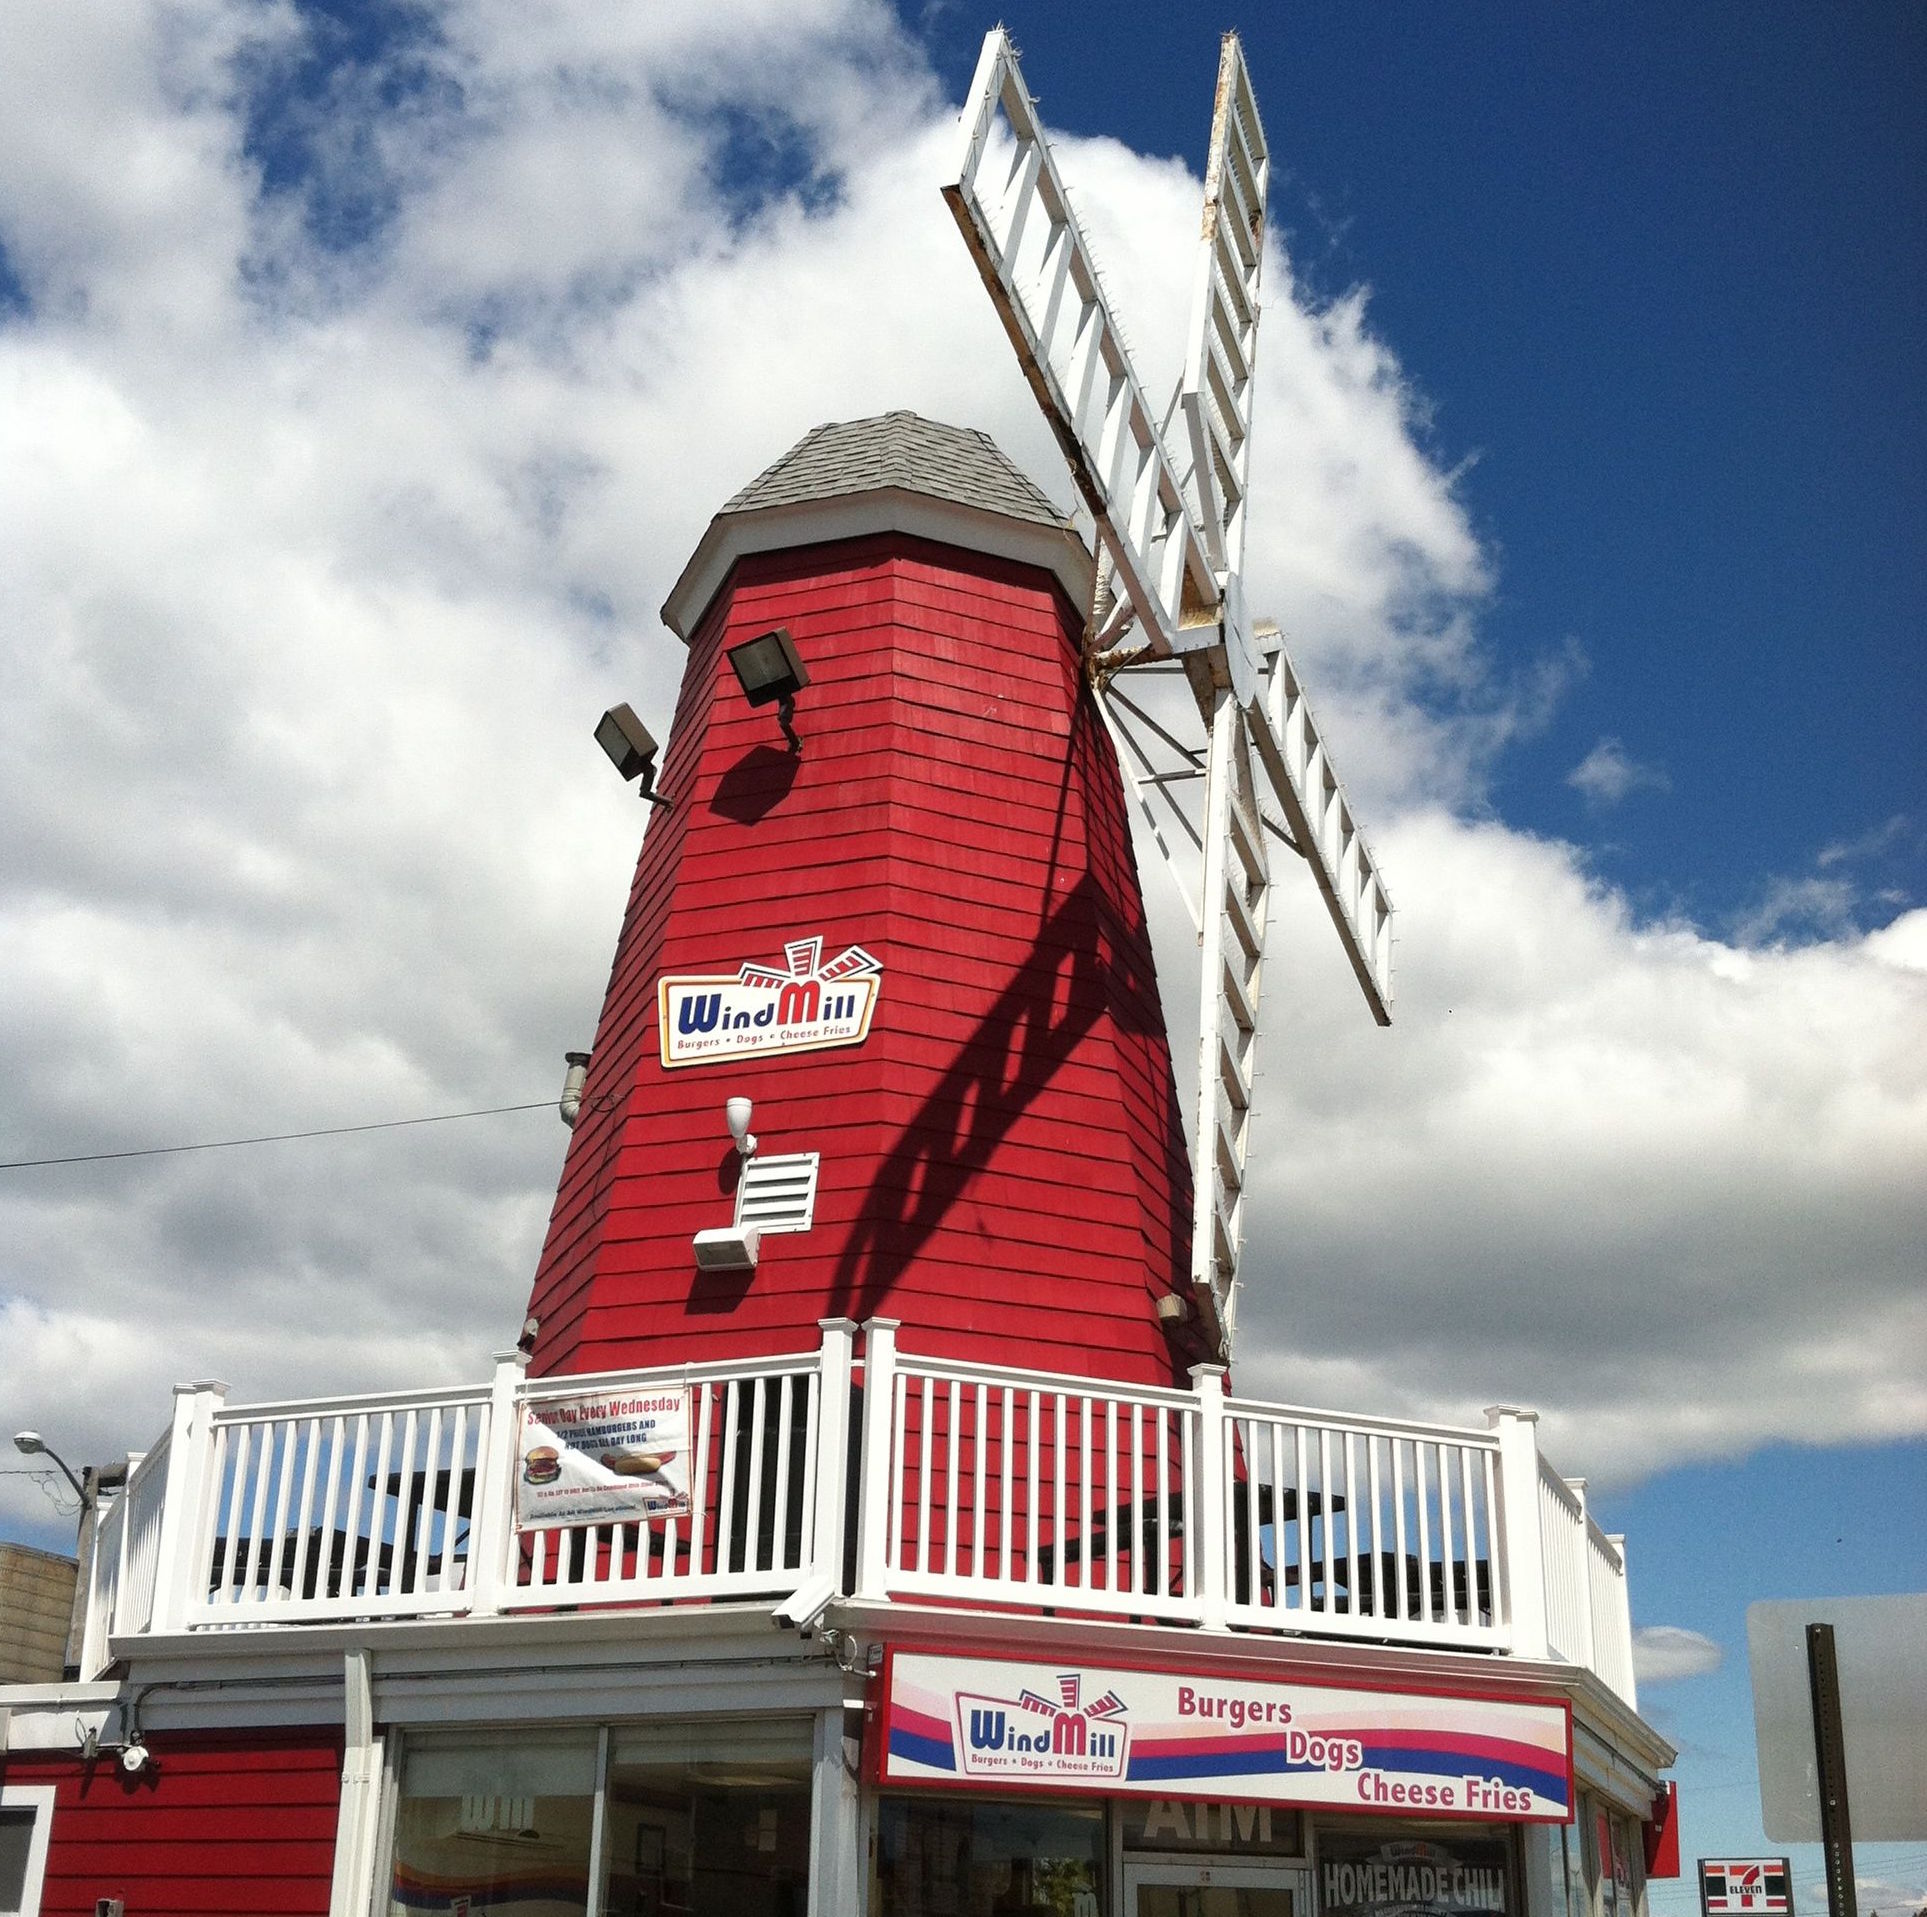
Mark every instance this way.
x=1034 y=1738
x=994 y=1724
x=805 y=1004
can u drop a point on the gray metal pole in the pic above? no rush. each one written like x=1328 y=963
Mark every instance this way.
x=1830 y=1757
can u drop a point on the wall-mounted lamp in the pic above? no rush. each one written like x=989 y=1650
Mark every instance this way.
x=772 y=672
x=132 y=1750
x=737 y=1111
x=631 y=749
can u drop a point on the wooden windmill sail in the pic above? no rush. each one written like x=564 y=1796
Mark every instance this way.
x=1171 y=544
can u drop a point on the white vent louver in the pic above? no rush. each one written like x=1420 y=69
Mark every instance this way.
x=778 y=1194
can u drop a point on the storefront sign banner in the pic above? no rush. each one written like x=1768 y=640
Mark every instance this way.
x=605 y=1457
x=968 y=1721
x=802 y=1005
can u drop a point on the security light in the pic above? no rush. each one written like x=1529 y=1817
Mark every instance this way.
x=631 y=749
x=737 y=1113
x=771 y=672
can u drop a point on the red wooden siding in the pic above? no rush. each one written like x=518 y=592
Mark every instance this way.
x=220 y=1821
x=1003 y=1162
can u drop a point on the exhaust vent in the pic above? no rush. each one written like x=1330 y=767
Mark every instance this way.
x=777 y=1194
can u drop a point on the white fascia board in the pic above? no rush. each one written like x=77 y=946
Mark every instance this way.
x=814 y=522
x=690 y=1687
x=1627 y=1779
x=52 y=1717
x=588 y=1665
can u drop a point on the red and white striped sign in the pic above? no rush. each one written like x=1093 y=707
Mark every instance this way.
x=1746 y=1887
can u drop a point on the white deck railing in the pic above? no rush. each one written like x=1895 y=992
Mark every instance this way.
x=1016 y=1487
x=1362 y=1528
x=1612 y=1615
x=1567 y=1579
x=979 y=1484
x=341 y=1508
x=762 y=1450
x=120 y=1593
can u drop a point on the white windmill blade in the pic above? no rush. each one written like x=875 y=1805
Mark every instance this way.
x=1221 y=363
x=1175 y=543
x=1237 y=901
x=1011 y=207
x=1299 y=771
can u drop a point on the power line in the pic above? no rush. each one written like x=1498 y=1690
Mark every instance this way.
x=271 y=1138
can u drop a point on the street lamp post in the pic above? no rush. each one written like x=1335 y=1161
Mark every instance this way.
x=87 y=1488
x=32 y=1444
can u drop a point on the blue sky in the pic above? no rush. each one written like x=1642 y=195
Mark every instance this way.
x=1661 y=274
x=368 y=372
x=1706 y=1541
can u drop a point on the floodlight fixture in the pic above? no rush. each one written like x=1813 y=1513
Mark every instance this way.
x=771 y=672
x=631 y=749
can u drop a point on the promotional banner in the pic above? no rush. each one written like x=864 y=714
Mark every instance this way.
x=999 y=1725
x=604 y=1457
x=802 y=1005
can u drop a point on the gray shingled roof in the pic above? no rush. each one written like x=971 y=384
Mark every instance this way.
x=901 y=450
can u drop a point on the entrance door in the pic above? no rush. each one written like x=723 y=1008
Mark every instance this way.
x=1215 y=1890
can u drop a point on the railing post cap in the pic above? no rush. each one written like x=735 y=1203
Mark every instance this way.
x=1201 y=1372
x=518 y=1357
x=882 y=1324
x=1494 y=1413
x=199 y=1385
x=836 y=1324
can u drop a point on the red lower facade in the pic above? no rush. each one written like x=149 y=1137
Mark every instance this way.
x=215 y=1821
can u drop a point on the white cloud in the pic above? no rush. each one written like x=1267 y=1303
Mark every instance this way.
x=1904 y=1895
x=320 y=563
x=1868 y=845
x=1607 y=774
x=1664 y=1652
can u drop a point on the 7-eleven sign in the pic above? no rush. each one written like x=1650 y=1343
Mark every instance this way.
x=1746 y=1887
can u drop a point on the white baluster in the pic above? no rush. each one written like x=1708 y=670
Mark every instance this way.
x=879 y=1483
x=491 y=1520
x=1208 y=1507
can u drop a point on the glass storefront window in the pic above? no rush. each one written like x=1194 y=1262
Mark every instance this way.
x=1572 y=1852
x=695 y=1833
x=1440 y=1873
x=1628 y=1868
x=1170 y=1825
x=941 y=1857
x=698 y=1819
x=491 y=1822
x=1599 y=1863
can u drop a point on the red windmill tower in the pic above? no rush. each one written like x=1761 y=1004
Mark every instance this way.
x=910 y=932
